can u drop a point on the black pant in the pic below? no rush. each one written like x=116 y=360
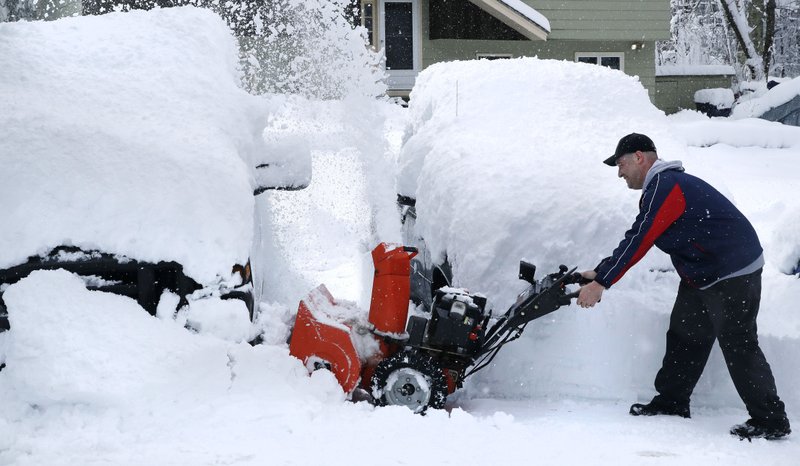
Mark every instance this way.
x=726 y=311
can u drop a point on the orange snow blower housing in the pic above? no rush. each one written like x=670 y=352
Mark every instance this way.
x=321 y=342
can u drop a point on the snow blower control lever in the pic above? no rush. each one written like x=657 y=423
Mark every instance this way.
x=541 y=298
x=440 y=347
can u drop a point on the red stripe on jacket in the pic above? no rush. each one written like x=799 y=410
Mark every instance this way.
x=671 y=210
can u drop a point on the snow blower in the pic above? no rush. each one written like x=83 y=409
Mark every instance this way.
x=418 y=361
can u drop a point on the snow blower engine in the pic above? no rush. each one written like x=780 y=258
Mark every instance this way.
x=418 y=361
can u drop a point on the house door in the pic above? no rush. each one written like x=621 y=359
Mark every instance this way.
x=400 y=40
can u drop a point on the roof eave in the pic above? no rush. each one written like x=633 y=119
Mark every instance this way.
x=513 y=19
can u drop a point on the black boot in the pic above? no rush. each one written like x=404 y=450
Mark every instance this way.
x=770 y=430
x=654 y=409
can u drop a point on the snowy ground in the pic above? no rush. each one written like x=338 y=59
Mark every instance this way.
x=92 y=379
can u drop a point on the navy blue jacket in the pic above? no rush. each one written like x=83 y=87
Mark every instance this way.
x=706 y=237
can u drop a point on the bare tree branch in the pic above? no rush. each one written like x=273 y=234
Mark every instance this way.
x=735 y=16
x=769 y=35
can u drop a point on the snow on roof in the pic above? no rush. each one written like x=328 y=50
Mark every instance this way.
x=529 y=12
x=125 y=133
x=774 y=97
x=694 y=70
x=518 y=15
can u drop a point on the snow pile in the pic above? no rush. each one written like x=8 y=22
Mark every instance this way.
x=775 y=97
x=751 y=89
x=223 y=318
x=128 y=133
x=718 y=97
x=698 y=130
x=59 y=330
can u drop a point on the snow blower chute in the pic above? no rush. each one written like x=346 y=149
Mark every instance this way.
x=417 y=361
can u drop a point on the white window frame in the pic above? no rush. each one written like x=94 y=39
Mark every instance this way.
x=374 y=30
x=403 y=79
x=599 y=55
x=493 y=55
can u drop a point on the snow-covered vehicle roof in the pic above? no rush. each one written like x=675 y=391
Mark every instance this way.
x=781 y=103
x=504 y=159
x=129 y=134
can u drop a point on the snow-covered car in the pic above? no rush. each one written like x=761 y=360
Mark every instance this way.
x=779 y=103
x=131 y=156
x=502 y=160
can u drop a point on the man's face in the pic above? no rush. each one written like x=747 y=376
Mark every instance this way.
x=629 y=167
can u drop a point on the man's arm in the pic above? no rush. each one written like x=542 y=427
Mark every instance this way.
x=662 y=204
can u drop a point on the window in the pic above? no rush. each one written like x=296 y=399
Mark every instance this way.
x=398 y=32
x=492 y=56
x=368 y=19
x=608 y=59
x=360 y=13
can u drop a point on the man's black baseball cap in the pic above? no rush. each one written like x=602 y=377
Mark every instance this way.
x=630 y=144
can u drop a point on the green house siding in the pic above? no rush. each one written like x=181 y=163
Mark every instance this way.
x=633 y=20
x=674 y=93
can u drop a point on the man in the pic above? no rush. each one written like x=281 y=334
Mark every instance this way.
x=717 y=255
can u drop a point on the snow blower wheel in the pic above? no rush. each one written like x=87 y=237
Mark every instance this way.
x=411 y=379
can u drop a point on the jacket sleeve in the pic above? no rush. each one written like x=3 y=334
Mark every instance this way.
x=661 y=205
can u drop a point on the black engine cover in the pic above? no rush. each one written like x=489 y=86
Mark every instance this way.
x=457 y=321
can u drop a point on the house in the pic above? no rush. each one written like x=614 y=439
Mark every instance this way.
x=620 y=34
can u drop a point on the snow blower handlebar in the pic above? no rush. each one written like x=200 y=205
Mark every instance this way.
x=541 y=298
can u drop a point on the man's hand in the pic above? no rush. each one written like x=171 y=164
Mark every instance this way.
x=590 y=294
x=589 y=274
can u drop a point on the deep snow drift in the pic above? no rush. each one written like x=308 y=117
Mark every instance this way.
x=93 y=379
